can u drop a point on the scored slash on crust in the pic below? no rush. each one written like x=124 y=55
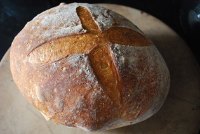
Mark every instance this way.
x=96 y=44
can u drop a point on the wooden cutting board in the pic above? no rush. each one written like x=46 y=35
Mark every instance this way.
x=179 y=115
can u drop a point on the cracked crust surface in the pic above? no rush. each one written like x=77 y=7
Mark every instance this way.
x=85 y=66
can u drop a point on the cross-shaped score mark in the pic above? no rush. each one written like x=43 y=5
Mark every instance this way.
x=96 y=44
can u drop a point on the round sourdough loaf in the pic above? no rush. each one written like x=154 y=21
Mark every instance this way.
x=85 y=66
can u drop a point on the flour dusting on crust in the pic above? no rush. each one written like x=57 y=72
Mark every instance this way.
x=54 y=23
x=128 y=57
x=106 y=18
x=63 y=21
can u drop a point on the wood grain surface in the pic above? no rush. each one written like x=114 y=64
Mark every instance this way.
x=179 y=115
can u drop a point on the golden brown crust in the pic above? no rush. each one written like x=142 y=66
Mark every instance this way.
x=85 y=79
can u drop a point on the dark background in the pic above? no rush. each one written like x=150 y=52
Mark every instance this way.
x=181 y=15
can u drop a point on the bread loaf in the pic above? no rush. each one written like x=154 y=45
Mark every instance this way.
x=85 y=66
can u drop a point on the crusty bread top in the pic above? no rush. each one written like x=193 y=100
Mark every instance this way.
x=64 y=21
x=84 y=43
x=86 y=66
